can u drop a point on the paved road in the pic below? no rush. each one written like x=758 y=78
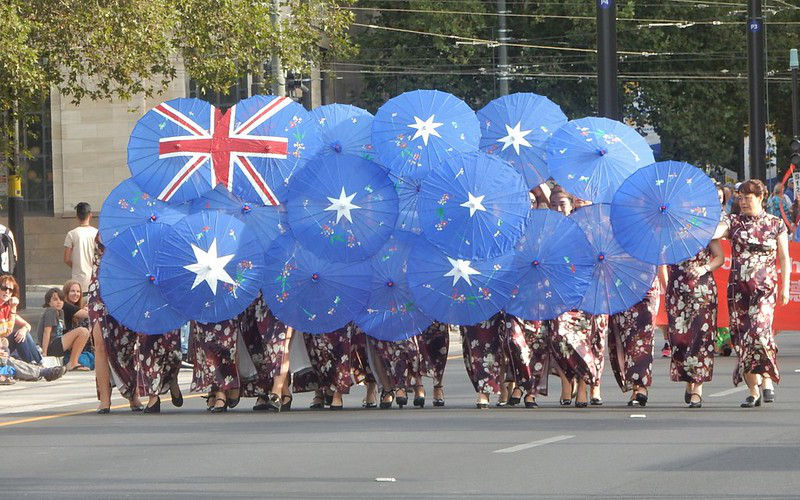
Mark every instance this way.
x=55 y=448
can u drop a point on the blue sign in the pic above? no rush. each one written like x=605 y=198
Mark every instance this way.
x=754 y=25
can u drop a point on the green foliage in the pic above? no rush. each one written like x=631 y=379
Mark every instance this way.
x=691 y=86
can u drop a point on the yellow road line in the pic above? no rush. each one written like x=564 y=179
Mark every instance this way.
x=71 y=413
x=457 y=356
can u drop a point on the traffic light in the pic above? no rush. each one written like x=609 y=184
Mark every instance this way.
x=795 y=155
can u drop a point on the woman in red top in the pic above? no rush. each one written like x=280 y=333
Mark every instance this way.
x=21 y=341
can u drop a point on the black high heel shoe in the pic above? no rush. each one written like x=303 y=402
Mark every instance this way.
x=385 y=405
x=419 y=401
x=531 y=404
x=596 y=402
x=481 y=405
x=286 y=402
x=318 y=402
x=103 y=411
x=639 y=398
x=327 y=399
x=270 y=402
x=751 y=401
x=768 y=395
x=156 y=408
x=232 y=402
x=565 y=402
x=514 y=401
x=438 y=401
x=696 y=404
x=219 y=409
x=401 y=400
x=177 y=401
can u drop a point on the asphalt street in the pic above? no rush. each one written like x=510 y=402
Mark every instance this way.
x=54 y=448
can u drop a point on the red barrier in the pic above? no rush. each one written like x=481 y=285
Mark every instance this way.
x=786 y=317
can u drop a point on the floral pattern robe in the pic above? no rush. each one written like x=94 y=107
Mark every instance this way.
x=483 y=354
x=630 y=342
x=330 y=356
x=752 y=292
x=118 y=340
x=434 y=345
x=214 y=354
x=400 y=361
x=158 y=361
x=527 y=353
x=577 y=345
x=264 y=337
x=692 y=314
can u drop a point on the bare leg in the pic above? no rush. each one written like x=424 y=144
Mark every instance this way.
x=566 y=385
x=102 y=372
x=751 y=379
x=279 y=385
x=74 y=341
x=580 y=397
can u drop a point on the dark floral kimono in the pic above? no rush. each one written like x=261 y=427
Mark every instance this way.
x=158 y=361
x=527 y=355
x=400 y=361
x=752 y=292
x=483 y=354
x=630 y=342
x=264 y=337
x=434 y=345
x=577 y=345
x=214 y=354
x=692 y=313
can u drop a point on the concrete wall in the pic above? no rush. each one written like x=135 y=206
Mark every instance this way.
x=44 y=249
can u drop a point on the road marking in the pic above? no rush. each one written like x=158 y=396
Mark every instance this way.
x=454 y=357
x=533 y=444
x=728 y=392
x=385 y=479
x=638 y=415
x=72 y=413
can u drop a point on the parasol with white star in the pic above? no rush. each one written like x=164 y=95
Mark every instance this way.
x=455 y=290
x=414 y=132
x=474 y=206
x=210 y=266
x=516 y=128
x=342 y=207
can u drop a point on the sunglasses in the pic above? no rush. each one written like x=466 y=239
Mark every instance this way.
x=6 y=288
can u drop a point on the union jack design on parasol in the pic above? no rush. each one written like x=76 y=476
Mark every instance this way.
x=228 y=145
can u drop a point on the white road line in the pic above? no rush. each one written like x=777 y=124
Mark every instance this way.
x=728 y=392
x=533 y=444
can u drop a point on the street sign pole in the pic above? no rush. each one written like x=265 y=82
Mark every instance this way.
x=757 y=90
x=607 y=88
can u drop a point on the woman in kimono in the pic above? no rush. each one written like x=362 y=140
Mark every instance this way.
x=434 y=346
x=691 y=304
x=113 y=347
x=757 y=238
x=215 y=363
x=527 y=356
x=576 y=339
x=266 y=340
x=397 y=368
x=158 y=361
x=483 y=357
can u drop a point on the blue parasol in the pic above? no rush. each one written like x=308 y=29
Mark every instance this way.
x=210 y=266
x=345 y=129
x=127 y=205
x=166 y=174
x=552 y=266
x=458 y=291
x=128 y=281
x=666 y=213
x=392 y=313
x=618 y=281
x=590 y=157
x=474 y=206
x=516 y=127
x=342 y=207
x=265 y=221
x=311 y=294
x=408 y=190
x=414 y=132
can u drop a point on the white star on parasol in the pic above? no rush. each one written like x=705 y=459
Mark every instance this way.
x=474 y=203
x=515 y=137
x=342 y=205
x=425 y=128
x=461 y=270
x=209 y=267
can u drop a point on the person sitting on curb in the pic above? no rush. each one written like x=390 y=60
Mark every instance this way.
x=55 y=341
x=25 y=371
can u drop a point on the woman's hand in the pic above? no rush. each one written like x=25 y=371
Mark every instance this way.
x=20 y=334
x=14 y=302
x=783 y=299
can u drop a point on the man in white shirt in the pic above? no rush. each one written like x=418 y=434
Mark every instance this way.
x=79 y=247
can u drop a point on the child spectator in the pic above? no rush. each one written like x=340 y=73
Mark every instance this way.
x=55 y=341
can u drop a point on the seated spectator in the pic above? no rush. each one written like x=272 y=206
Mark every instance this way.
x=76 y=312
x=14 y=327
x=55 y=341
x=22 y=370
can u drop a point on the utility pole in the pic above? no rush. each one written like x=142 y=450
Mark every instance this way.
x=502 y=50
x=794 y=64
x=16 y=205
x=278 y=78
x=757 y=90
x=607 y=88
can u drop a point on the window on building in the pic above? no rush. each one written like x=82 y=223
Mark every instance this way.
x=37 y=181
